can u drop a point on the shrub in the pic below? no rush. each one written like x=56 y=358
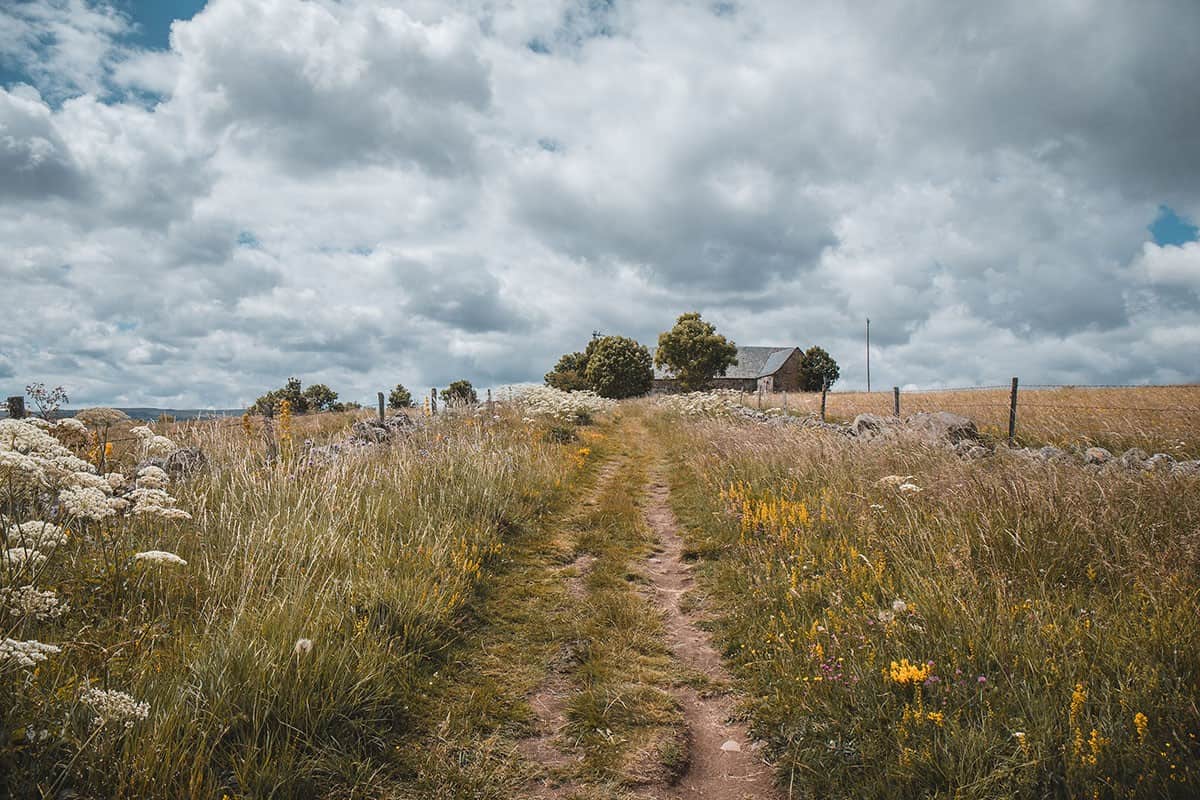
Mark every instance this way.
x=569 y=374
x=619 y=367
x=320 y=397
x=817 y=369
x=270 y=402
x=695 y=352
x=400 y=397
x=460 y=393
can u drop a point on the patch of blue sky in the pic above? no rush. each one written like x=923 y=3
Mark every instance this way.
x=1169 y=228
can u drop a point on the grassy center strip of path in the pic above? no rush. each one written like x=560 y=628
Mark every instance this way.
x=563 y=688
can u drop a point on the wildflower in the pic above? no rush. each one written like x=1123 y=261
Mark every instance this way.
x=899 y=606
x=26 y=654
x=302 y=647
x=1142 y=725
x=113 y=706
x=151 y=477
x=886 y=617
x=71 y=425
x=936 y=717
x=909 y=488
x=44 y=535
x=18 y=557
x=85 y=503
x=115 y=480
x=160 y=557
x=906 y=674
x=28 y=601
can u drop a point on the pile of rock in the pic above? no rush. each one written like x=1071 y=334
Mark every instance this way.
x=364 y=434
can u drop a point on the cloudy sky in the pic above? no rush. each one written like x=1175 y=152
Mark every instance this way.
x=198 y=200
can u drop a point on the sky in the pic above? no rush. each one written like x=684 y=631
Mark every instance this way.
x=199 y=200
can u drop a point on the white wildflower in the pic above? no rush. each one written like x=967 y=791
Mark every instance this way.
x=909 y=488
x=36 y=534
x=117 y=504
x=886 y=617
x=112 y=706
x=564 y=406
x=899 y=606
x=303 y=647
x=85 y=503
x=26 y=654
x=160 y=557
x=90 y=480
x=71 y=425
x=18 y=557
x=142 y=432
x=156 y=502
x=152 y=477
x=28 y=601
x=38 y=422
x=115 y=480
x=101 y=417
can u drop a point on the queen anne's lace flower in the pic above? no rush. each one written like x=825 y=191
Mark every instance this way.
x=160 y=557
x=152 y=477
x=545 y=400
x=18 y=557
x=115 y=480
x=721 y=403
x=85 y=503
x=25 y=654
x=71 y=425
x=153 y=446
x=156 y=502
x=36 y=534
x=109 y=705
x=28 y=601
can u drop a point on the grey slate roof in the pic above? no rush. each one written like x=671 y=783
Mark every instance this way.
x=753 y=362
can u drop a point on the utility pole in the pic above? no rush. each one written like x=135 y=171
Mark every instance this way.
x=868 y=354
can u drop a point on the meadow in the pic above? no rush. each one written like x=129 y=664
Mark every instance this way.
x=471 y=611
x=908 y=624
x=1159 y=419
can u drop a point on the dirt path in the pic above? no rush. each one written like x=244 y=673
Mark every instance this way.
x=723 y=765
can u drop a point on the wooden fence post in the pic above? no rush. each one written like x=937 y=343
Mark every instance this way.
x=1012 y=413
x=380 y=396
x=16 y=407
x=785 y=402
x=896 y=400
x=433 y=401
x=824 y=389
x=491 y=408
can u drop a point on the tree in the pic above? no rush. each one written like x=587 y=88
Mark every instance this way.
x=269 y=402
x=459 y=393
x=619 y=367
x=695 y=352
x=400 y=397
x=817 y=369
x=46 y=400
x=570 y=373
x=320 y=397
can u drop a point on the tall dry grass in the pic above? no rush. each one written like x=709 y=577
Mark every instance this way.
x=1162 y=419
x=374 y=559
x=995 y=629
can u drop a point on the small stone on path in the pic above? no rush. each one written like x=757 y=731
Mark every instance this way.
x=731 y=746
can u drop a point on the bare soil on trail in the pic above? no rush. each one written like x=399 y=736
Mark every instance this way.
x=724 y=763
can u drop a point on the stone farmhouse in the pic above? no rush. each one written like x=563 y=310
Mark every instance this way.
x=773 y=369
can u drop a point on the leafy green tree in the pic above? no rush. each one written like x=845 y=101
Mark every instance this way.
x=619 y=367
x=695 y=352
x=291 y=392
x=817 y=369
x=320 y=397
x=570 y=373
x=460 y=392
x=400 y=397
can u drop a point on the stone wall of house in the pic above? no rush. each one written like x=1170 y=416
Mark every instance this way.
x=787 y=379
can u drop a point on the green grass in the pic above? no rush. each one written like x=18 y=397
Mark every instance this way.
x=1037 y=578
